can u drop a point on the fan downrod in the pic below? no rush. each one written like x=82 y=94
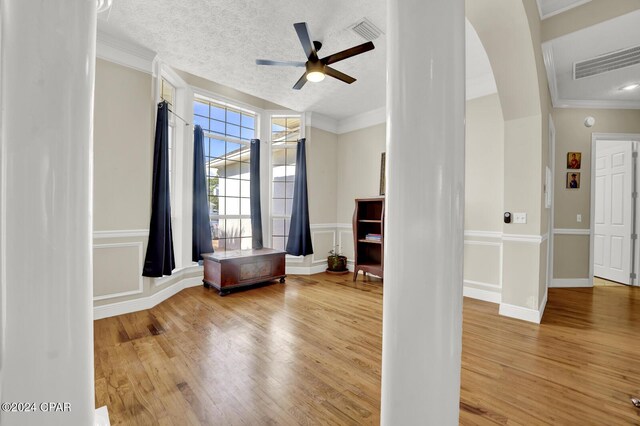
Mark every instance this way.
x=317 y=45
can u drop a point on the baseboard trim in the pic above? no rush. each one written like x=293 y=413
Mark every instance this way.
x=102 y=416
x=570 y=282
x=142 y=303
x=306 y=270
x=485 y=295
x=524 y=314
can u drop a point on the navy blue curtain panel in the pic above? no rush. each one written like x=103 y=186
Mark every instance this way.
x=160 y=260
x=200 y=226
x=254 y=194
x=299 y=243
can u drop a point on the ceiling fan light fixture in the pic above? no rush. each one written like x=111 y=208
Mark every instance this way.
x=631 y=86
x=315 y=76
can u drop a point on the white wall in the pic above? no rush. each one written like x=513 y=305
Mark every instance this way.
x=359 y=177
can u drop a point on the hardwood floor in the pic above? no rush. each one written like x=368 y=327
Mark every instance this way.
x=309 y=352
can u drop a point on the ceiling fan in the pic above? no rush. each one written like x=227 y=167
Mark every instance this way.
x=317 y=68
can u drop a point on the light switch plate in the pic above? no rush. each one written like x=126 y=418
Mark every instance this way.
x=519 y=218
x=579 y=218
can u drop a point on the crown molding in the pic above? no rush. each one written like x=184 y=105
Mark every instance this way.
x=322 y=122
x=558 y=102
x=361 y=121
x=124 y=53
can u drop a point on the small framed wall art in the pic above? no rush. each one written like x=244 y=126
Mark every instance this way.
x=573 y=180
x=574 y=160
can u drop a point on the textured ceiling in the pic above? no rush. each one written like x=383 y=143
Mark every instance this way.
x=220 y=40
x=561 y=53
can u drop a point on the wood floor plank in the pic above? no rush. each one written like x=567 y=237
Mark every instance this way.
x=309 y=352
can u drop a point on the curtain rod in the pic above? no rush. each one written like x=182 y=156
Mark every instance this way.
x=186 y=123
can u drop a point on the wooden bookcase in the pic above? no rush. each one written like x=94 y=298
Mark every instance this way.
x=368 y=218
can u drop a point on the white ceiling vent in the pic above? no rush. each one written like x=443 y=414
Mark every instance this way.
x=365 y=29
x=607 y=62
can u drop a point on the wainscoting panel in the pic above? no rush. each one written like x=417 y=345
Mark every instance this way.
x=117 y=270
x=483 y=263
x=323 y=241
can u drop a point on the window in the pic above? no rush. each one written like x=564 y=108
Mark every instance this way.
x=285 y=132
x=168 y=93
x=228 y=131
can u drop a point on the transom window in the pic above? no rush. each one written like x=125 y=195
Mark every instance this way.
x=228 y=132
x=285 y=132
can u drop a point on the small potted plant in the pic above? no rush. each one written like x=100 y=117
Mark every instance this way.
x=336 y=262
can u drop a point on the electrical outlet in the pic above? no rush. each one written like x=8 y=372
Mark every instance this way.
x=579 y=218
x=519 y=218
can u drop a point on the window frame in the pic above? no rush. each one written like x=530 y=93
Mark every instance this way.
x=178 y=127
x=202 y=95
x=269 y=116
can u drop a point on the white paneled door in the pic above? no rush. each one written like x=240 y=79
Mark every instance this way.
x=613 y=213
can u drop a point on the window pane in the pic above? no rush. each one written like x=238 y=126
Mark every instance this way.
x=203 y=122
x=279 y=157
x=233 y=244
x=217 y=126
x=247 y=134
x=201 y=108
x=288 y=205
x=278 y=243
x=279 y=190
x=245 y=155
x=278 y=207
x=245 y=226
x=290 y=173
x=222 y=202
x=216 y=147
x=233 y=206
x=245 y=189
x=287 y=225
x=217 y=226
x=219 y=245
x=233 y=172
x=217 y=113
x=214 y=205
x=278 y=227
x=245 y=244
x=233 y=130
x=244 y=170
x=293 y=124
x=293 y=136
x=245 y=206
x=232 y=231
x=289 y=189
x=233 y=117
x=233 y=148
x=278 y=124
x=248 y=121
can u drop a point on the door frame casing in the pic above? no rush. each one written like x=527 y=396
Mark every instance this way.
x=633 y=137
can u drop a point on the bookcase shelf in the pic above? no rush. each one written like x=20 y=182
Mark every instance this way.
x=368 y=218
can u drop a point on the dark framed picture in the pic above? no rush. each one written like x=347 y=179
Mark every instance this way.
x=573 y=180
x=574 y=159
x=382 y=174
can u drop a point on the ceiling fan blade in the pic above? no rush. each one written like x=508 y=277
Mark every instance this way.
x=339 y=75
x=305 y=40
x=280 y=63
x=300 y=82
x=332 y=59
